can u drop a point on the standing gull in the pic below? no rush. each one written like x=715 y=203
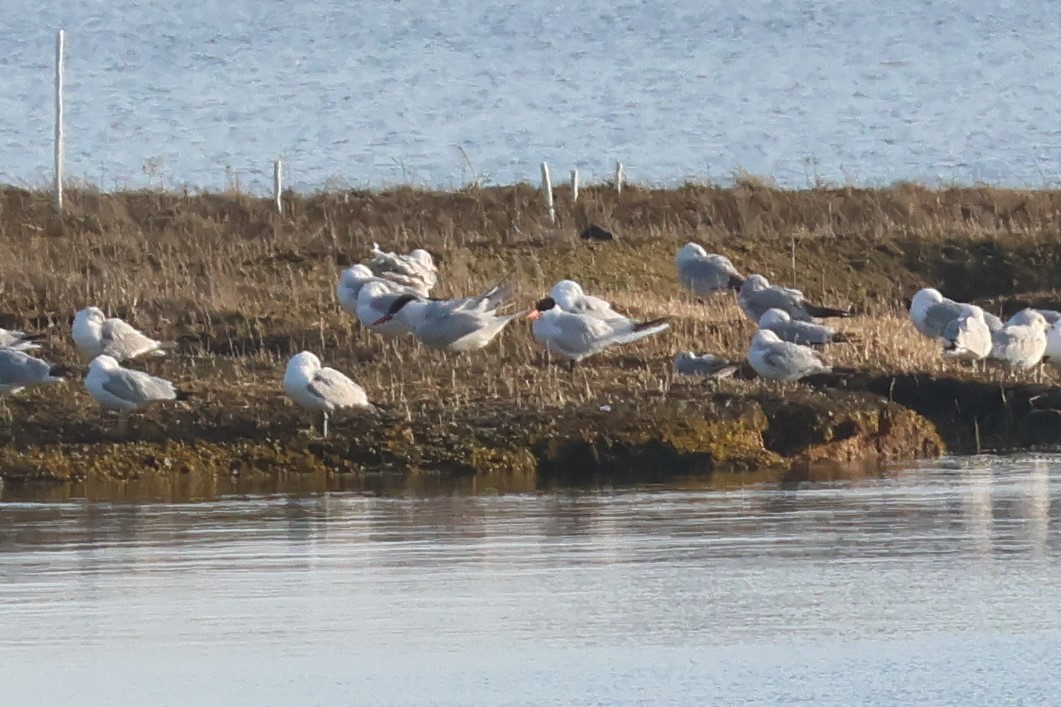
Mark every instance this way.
x=809 y=333
x=704 y=273
x=125 y=390
x=577 y=335
x=416 y=270
x=967 y=338
x=757 y=295
x=783 y=361
x=18 y=340
x=1021 y=346
x=931 y=313
x=323 y=390
x=95 y=335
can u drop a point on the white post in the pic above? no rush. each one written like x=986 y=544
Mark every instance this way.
x=574 y=186
x=59 y=41
x=278 y=185
x=547 y=188
x=619 y=177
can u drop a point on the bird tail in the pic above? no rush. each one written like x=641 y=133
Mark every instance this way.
x=60 y=372
x=735 y=282
x=641 y=330
x=163 y=347
x=184 y=395
x=846 y=337
x=825 y=312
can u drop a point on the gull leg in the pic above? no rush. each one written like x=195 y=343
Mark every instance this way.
x=123 y=424
x=324 y=429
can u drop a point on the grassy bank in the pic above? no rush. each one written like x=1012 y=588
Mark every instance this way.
x=242 y=288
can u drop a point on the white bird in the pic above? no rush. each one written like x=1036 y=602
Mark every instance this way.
x=125 y=390
x=967 y=338
x=1052 y=354
x=95 y=335
x=757 y=295
x=18 y=340
x=1021 y=346
x=778 y=360
x=368 y=298
x=809 y=333
x=705 y=273
x=577 y=335
x=416 y=270
x=458 y=325
x=570 y=297
x=1022 y=317
x=687 y=363
x=323 y=390
x=19 y=370
x=931 y=312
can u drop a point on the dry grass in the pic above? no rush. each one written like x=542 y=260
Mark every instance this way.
x=242 y=288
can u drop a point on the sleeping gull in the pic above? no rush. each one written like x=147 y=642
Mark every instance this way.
x=577 y=335
x=570 y=297
x=95 y=335
x=323 y=390
x=416 y=270
x=18 y=340
x=1023 y=316
x=125 y=390
x=464 y=324
x=757 y=295
x=1021 y=346
x=809 y=333
x=687 y=363
x=19 y=370
x=705 y=273
x=368 y=298
x=967 y=338
x=931 y=312
x=783 y=361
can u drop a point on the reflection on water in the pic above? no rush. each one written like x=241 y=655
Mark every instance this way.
x=933 y=584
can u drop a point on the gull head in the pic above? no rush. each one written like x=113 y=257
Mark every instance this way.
x=566 y=291
x=924 y=299
x=691 y=251
x=89 y=315
x=773 y=317
x=423 y=257
x=354 y=278
x=396 y=306
x=754 y=283
x=304 y=363
x=103 y=364
x=765 y=336
x=543 y=305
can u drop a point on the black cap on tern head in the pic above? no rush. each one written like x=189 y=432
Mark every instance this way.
x=545 y=304
x=400 y=302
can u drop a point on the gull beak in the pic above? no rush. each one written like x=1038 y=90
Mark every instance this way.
x=382 y=320
x=534 y=314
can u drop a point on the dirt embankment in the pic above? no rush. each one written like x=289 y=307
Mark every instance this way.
x=242 y=287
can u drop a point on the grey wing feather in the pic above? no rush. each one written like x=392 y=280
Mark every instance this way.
x=17 y=368
x=442 y=329
x=138 y=387
x=993 y=322
x=337 y=389
x=938 y=316
x=792 y=357
x=121 y=340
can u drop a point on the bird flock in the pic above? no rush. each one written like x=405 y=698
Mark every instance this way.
x=390 y=296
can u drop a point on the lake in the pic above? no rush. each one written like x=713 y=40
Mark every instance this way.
x=359 y=94
x=937 y=584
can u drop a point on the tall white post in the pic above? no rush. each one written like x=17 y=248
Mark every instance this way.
x=278 y=185
x=574 y=186
x=547 y=189
x=619 y=177
x=59 y=42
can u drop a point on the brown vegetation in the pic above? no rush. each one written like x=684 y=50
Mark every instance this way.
x=242 y=288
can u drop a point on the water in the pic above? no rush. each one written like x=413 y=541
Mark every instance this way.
x=376 y=93
x=935 y=585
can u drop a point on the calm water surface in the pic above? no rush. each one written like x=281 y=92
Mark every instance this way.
x=934 y=585
x=372 y=93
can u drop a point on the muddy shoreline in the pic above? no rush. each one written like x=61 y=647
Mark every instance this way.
x=242 y=287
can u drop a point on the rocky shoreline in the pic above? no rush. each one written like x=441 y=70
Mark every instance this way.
x=241 y=287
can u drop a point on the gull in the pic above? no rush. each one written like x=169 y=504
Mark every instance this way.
x=19 y=370
x=1021 y=346
x=779 y=322
x=1023 y=316
x=705 y=273
x=757 y=295
x=458 y=325
x=967 y=338
x=125 y=390
x=368 y=298
x=577 y=335
x=19 y=340
x=569 y=297
x=416 y=270
x=1052 y=355
x=931 y=312
x=687 y=363
x=783 y=361
x=323 y=390
x=95 y=335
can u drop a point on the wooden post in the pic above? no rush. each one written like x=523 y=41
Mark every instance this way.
x=59 y=42
x=618 y=177
x=278 y=185
x=547 y=189
x=574 y=186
